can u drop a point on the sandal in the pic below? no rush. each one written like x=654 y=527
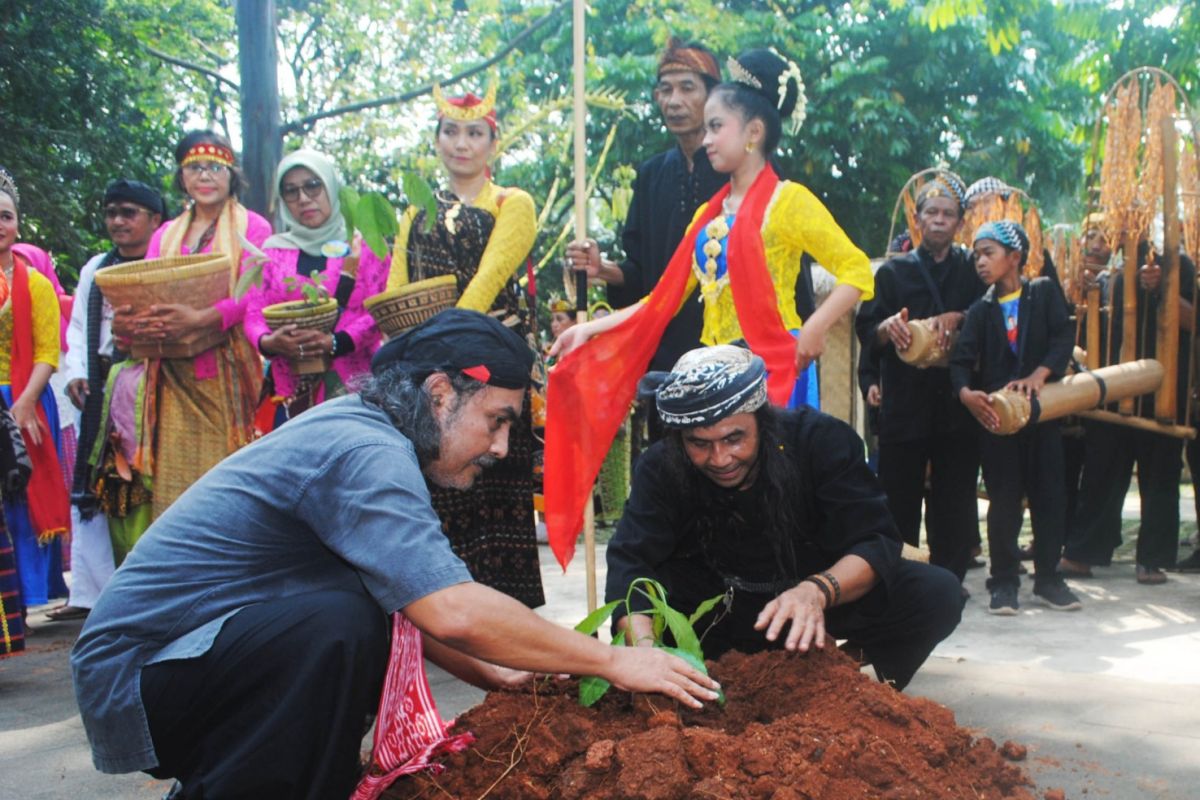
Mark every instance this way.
x=1074 y=569
x=1150 y=576
x=66 y=613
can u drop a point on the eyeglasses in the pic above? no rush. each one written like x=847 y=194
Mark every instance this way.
x=124 y=212
x=201 y=167
x=312 y=190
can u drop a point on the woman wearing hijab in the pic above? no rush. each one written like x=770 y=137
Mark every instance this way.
x=313 y=249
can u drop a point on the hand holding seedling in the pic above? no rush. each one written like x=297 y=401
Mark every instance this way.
x=804 y=607
x=652 y=669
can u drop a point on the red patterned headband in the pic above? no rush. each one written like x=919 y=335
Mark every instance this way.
x=208 y=151
x=688 y=59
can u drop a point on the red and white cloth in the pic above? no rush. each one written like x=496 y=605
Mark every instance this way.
x=409 y=731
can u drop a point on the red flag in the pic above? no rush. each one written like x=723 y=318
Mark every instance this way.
x=591 y=388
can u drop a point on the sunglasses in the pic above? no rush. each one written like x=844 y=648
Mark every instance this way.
x=312 y=190
x=211 y=167
x=124 y=212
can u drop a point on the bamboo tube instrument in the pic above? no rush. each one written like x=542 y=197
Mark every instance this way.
x=1167 y=350
x=1129 y=308
x=1074 y=394
x=926 y=349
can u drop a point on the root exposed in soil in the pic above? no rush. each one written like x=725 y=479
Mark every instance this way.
x=795 y=726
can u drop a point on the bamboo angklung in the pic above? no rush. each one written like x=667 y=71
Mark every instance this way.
x=1082 y=391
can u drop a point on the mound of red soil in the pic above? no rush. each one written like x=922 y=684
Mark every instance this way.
x=793 y=727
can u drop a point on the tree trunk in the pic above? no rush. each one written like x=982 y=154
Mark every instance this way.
x=261 y=127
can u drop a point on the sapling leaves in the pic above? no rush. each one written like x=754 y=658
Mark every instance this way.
x=663 y=618
x=592 y=622
x=702 y=609
x=376 y=220
x=349 y=202
x=421 y=196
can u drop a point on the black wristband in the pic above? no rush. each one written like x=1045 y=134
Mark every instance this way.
x=837 y=587
x=820 y=584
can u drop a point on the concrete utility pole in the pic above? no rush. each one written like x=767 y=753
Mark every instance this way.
x=258 y=60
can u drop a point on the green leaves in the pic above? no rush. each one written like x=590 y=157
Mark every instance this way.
x=376 y=220
x=371 y=215
x=592 y=688
x=420 y=194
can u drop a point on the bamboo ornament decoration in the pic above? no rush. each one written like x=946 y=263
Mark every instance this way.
x=1077 y=393
x=1167 y=350
x=926 y=349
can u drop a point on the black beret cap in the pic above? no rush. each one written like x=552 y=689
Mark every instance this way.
x=463 y=341
x=136 y=192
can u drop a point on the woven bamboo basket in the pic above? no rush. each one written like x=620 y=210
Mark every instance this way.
x=321 y=317
x=197 y=280
x=400 y=309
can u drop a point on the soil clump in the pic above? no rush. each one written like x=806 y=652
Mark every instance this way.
x=794 y=726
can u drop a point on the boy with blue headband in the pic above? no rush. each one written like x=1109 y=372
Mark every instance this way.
x=1016 y=337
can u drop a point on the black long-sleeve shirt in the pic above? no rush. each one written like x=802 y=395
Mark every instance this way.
x=917 y=402
x=666 y=195
x=838 y=505
x=1045 y=338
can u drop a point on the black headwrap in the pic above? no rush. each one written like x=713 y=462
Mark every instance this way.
x=136 y=192
x=464 y=341
x=706 y=385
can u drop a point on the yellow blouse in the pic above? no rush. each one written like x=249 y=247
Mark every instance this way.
x=796 y=222
x=45 y=313
x=511 y=240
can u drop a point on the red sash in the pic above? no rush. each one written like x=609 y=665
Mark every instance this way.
x=590 y=390
x=49 y=505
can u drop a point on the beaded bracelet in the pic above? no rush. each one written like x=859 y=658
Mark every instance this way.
x=837 y=587
x=820 y=584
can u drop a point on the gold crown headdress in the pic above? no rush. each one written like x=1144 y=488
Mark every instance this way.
x=459 y=111
x=8 y=185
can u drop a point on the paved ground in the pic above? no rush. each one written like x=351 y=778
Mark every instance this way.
x=1106 y=698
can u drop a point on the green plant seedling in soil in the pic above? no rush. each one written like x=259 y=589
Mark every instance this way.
x=663 y=618
x=313 y=292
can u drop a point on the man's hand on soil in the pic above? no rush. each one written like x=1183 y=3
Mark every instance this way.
x=646 y=669
x=803 y=606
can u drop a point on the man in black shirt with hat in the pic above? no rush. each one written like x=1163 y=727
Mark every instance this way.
x=778 y=510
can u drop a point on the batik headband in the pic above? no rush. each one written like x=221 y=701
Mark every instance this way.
x=988 y=185
x=467 y=108
x=708 y=384
x=9 y=186
x=677 y=57
x=208 y=151
x=1006 y=232
x=942 y=185
x=740 y=74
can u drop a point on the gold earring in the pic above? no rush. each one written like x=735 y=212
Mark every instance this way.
x=750 y=147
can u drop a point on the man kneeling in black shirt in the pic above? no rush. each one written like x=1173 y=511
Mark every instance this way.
x=778 y=510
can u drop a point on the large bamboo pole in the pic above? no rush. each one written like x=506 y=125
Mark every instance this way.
x=1141 y=423
x=580 y=148
x=1129 y=309
x=1076 y=393
x=1167 y=351
x=1093 y=328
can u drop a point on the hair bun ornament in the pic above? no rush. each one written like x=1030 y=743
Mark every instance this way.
x=742 y=75
x=9 y=185
x=800 y=110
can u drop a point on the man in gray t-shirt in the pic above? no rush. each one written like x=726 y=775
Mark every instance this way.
x=242 y=645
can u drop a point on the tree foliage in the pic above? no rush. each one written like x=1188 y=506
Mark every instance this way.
x=1004 y=87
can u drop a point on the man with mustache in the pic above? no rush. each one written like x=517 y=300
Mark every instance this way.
x=241 y=646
